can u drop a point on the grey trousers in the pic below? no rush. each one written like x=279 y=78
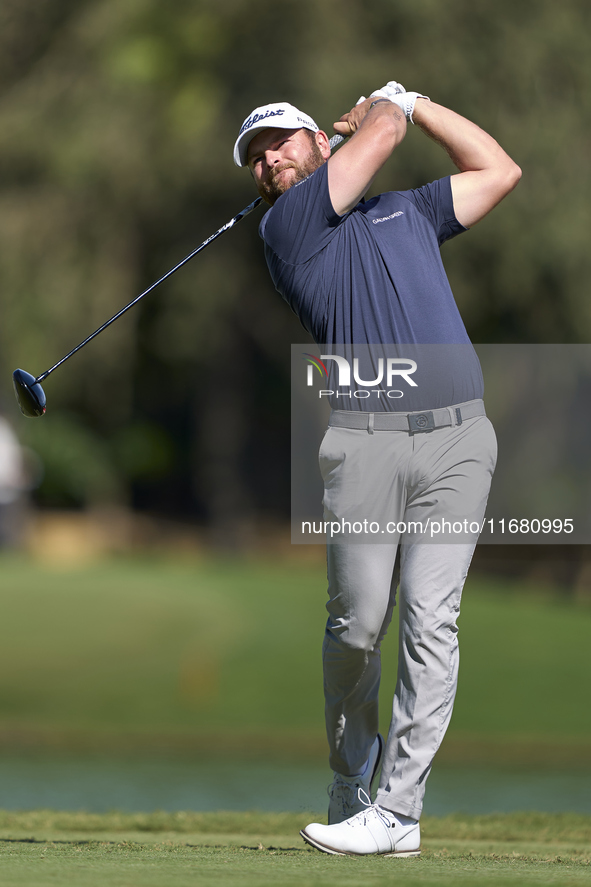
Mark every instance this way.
x=441 y=475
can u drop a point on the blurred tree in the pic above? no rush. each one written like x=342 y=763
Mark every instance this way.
x=117 y=121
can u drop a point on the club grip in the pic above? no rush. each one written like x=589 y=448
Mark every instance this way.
x=337 y=139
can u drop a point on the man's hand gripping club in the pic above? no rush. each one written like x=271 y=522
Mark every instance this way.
x=393 y=92
x=378 y=125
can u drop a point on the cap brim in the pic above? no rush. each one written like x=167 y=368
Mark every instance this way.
x=242 y=143
x=241 y=147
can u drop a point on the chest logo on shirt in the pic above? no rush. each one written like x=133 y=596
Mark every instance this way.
x=387 y=218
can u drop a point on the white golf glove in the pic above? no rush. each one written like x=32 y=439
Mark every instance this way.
x=390 y=89
x=396 y=93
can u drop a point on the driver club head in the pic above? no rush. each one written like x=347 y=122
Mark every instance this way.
x=29 y=394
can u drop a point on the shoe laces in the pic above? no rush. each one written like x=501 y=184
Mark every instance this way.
x=370 y=812
x=344 y=793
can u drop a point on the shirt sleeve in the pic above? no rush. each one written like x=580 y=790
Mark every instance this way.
x=435 y=202
x=302 y=221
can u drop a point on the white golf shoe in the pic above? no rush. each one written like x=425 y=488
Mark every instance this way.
x=373 y=831
x=344 y=790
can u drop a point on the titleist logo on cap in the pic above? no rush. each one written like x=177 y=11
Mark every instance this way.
x=279 y=115
x=255 y=118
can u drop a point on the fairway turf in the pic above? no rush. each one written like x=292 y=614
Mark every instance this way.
x=42 y=848
x=124 y=651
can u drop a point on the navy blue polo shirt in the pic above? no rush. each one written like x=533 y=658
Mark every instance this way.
x=373 y=275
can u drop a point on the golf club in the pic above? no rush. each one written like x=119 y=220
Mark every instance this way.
x=336 y=140
x=27 y=388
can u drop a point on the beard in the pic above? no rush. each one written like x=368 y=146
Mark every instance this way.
x=274 y=187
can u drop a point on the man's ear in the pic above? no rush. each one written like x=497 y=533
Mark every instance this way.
x=323 y=143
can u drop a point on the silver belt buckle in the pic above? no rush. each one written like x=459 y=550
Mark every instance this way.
x=418 y=422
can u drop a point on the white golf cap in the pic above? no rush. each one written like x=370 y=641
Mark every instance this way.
x=280 y=115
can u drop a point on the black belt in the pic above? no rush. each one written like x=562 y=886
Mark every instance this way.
x=415 y=423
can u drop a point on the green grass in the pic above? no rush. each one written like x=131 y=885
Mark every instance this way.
x=147 y=644
x=149 y=647
x=215 y=850
x=524 y=663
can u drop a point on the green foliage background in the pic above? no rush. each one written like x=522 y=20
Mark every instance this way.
x=117 y=120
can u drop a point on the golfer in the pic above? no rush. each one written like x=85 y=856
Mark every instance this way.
x=362 y=273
